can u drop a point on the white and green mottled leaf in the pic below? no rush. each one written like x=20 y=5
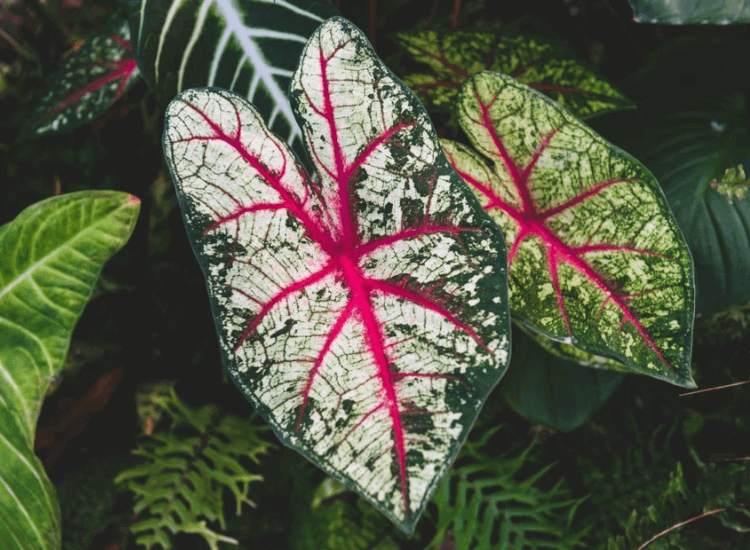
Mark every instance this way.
x=596 y=259
x=50 y=259
x=89 y=82
x=363 y=312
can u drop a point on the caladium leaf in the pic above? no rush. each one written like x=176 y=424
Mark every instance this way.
x=454 y=56
x=596 y=258
x=89 y=82
x=690 y=12
x=363 y=313
x=248 y=46
x=551 y=390
x=50 y=258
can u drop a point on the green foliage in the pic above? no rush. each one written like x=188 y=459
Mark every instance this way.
x=482 y=505
x=733 y=185
x=721 y=491
x=179 y=486
x=339 y=520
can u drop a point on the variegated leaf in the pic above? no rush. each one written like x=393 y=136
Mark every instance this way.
x=596 y=258
x=248 y=46
x=363 y=313
x=50 y=258
x=89 y=82
x=454 y=56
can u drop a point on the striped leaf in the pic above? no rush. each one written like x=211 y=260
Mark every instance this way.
x=362 y=312
x=455 y=55
x=89 y=82
x=690 y=12
x=596 y=258
x=248 y=46
x=50 y=259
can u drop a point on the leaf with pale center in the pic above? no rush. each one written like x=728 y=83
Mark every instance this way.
x=596 y=259
x=454 y=56
x=50 y=259
x=89 y=82
x=363 y=312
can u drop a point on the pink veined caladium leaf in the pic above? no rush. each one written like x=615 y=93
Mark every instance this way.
x=89 y=82
x=363 y=312
x=595 y=256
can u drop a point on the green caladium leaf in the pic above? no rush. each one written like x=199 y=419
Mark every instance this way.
x=248 y=46
x=733 y=185
x=92 y=79
x=362 y=312
x=454 y=56
x=50 y=258
x=690 y=12
x=596 y=258
x=553 y=391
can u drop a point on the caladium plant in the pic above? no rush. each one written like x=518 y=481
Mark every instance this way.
x=596 y=259
x=362 y=311
x=89 y=82
x=454 y=56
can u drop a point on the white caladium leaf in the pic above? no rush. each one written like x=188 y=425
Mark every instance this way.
x=596 y=258
x=248 y=46
x=362 y=312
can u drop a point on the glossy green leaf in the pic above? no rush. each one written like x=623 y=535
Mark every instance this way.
x=596 y=258
x=89 y=82
x=363 y=313
x=546 y=389
x=686 y=152
x=690 y=12
x=455 y=56
x=50 y=258
x=248 y=46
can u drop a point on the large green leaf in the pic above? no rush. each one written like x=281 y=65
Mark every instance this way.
x=686 y=152
x=454 y=56
x=596 y=258
x=50 y=258
x=690 y=12
x=248 y=46
x=363 y=313
x=89 y=82
x=553 y=391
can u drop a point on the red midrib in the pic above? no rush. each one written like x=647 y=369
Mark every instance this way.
x=123 y=69
x=374 y=338
x=532 y=222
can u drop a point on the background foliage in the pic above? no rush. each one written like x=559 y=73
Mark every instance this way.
x=645 y=461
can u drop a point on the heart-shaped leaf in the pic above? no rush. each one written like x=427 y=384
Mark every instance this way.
x=248 y=46
x=551 y=390
x=90 y=81
x=596 y=258
x=50 y=259
x=363 y=313
x=454 y=56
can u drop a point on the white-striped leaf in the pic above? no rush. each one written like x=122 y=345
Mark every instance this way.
x=50 y=258
x=596 y=258
x=363 y=313
x=248 y=46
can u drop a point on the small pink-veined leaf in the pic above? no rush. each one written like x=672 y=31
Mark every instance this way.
x=595 y=256
x=89 y=82
x=362 y=312
x=454 y=56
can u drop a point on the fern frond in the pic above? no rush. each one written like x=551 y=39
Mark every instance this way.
x=339 y=520
x=482 y=506
x=178 y=486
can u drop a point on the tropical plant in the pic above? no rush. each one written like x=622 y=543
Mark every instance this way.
x=361 y=275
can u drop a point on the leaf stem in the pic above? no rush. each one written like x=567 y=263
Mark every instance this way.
x=678 y=525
